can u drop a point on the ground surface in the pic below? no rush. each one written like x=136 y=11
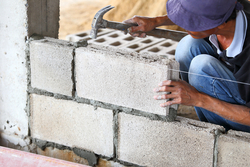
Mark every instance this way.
x=76 y=16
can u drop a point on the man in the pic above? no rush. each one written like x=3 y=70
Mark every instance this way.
x=214 y=59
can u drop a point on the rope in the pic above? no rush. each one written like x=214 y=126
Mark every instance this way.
x=228 y=80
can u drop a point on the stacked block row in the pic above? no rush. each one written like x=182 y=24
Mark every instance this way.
x=117 y=39
x=66 y=81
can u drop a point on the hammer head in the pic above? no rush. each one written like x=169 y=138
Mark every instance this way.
x=98 y=21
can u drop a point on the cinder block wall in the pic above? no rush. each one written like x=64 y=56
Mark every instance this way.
x=96 y=103
x=93 y=104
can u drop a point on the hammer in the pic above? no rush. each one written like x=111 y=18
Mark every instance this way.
x=99 y=22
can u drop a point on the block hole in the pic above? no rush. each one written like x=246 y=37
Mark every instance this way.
x=114 y=36
x=147 y=41
x=167 y=44
x=154 y=50
x=82 y=35
x=116 y=44
x=100 y=40
x=133 y=46
x=172 y=52
x=129 y=38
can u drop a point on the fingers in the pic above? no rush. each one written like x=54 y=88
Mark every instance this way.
x=141 y=35
x=136 y=31
x=171 y=95
x=165 y=86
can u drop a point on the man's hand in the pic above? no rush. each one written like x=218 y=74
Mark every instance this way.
x=179 y=92
x=144 y=24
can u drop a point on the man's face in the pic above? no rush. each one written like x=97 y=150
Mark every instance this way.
x=202 y=34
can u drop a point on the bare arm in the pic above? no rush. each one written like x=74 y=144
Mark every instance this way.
x=183 y=93
x=147 y=24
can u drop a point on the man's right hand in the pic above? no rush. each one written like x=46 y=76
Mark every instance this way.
x=144 y=24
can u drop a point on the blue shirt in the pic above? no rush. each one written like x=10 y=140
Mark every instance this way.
x=239 y=36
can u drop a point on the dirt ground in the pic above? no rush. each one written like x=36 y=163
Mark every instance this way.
x=76 y=16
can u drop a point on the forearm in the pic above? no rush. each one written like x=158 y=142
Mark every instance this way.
x=162 y=21
x=233 y=112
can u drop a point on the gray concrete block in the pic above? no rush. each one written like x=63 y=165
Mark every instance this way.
x=51 y=65
x=85 y=35
x=122 y=78
x=115 y=39
x=72 y=124
x=234 y=149
x=154 y=143
x=165 y=48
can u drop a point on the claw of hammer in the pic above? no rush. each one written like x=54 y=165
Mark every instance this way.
x=98 y=21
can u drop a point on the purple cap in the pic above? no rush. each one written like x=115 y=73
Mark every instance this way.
x=199 y=15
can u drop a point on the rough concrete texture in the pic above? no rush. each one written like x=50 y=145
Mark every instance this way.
x=72 y=124
x=51 y=65
x=67 y=155
x=234 y=149
x=121 y=77
x=16 y=142
x=154 y=143
x=13 y=78
x=165 y=48
x=43 y=17
x=85 y=35
x=117 y=39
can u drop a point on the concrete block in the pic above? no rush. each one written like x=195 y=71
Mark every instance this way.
x=122 y=78
x=85 y=35
x=234 y=149
x=142 y=43
x=43 y=17
x=13 y=78
x=51 y=65
x=165 y=48
x=154 y=143
x=72 y=124
x=117 y=39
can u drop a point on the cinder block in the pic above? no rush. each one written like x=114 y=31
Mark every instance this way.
x=234 y=149
x=122 y=78
x=85 y=35
x=115 y=39
x=164 y=48
x=51 y=65
x=154 y=143
x=72 y=124
x=142 y=43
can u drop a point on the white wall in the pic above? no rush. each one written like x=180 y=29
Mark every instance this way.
x=13 y=78
x=19 y=19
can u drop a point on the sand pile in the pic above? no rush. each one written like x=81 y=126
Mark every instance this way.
x=77 y=16
x=125 y=9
